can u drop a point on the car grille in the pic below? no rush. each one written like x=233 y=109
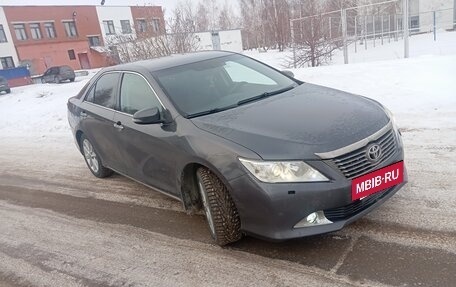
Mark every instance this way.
x=356 y=163
x=347 y=211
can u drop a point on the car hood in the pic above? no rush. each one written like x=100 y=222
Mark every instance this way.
x=299 y=123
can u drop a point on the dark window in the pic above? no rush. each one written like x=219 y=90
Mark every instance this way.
x=155 y=25
x=35 y=31
x=142 y=25
x=415 y=23
x=94 y=41
x=50 y=30
x=21 y=34
x=109 y=27
x=7 y=62
x=2 y=35
x=136 y=94
x=70 y=29
x=71 y=55
x=105 y=90
x=126 y=27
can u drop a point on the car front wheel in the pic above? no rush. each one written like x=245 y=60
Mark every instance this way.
x=218 y=206
x=93 y=160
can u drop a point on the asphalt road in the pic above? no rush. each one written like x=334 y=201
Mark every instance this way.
x=60 y=226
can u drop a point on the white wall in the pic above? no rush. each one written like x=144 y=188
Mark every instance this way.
x=444 y=18
x=7 y=49
x=230 y=40
x=114 y=13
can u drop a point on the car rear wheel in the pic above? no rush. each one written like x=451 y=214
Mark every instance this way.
x=93 y=160
x=218 y=206
x=72 y=80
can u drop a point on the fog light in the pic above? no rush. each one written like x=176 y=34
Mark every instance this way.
x=314 y=219
x=311 y=217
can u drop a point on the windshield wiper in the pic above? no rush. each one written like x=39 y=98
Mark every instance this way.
x=265 y=95
x=211 y=111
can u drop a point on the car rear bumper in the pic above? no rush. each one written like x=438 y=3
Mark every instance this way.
x=271 y=211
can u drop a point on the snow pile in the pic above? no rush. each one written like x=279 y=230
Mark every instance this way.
x=38 y=110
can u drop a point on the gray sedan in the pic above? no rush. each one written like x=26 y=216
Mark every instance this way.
x=260 y=152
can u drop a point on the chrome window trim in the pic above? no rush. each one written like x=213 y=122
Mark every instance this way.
x=121 y=72
x=356 y=145
x=150 y=86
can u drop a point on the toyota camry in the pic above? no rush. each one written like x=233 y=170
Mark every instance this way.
x=259 y=152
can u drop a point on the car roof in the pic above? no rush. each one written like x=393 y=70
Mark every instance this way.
x=174 y=60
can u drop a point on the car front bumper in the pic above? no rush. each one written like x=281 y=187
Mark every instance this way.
x=271 y=211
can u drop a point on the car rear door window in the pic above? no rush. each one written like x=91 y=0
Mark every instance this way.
x=104 y=91
x=136 y=94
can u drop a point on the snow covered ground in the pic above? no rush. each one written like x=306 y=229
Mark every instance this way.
x=420 y=91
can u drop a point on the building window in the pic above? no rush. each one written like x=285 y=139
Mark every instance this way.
x=50 y=30
x=109 y=27
x=71 y=55
x=415 y=23
x=2 y=35
x=126 y=27
x=19 y=29
x=70 y=29
x=35 y=31
x=94 y=41
x=7 y=62
x=155 y=25
x=142 y=25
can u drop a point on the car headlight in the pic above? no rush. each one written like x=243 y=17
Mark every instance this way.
x=283 y=171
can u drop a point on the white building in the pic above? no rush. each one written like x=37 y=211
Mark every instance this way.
x=227 y=40
x=8 y=55
x=115 y=22
x=422 y=14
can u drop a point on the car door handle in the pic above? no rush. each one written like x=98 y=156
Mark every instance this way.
x=118 y=126
x=83 y=114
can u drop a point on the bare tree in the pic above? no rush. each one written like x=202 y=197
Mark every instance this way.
x=313 y=45
x=202 y=18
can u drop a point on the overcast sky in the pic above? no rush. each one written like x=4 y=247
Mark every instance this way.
x=166 y=4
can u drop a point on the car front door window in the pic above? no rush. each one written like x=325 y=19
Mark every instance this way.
x=136 y=94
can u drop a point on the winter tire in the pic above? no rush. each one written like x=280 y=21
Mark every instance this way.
x=218 y=206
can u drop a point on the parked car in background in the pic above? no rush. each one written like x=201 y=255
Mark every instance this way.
x=4 y=87
x=58 y=74
x=260 y=152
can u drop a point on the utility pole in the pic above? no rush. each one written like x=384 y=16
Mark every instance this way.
x=405 y=22
x=343 y=13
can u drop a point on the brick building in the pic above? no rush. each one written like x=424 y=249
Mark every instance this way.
x=77 y=36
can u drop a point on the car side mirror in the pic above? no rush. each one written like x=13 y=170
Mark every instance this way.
x=288 y=73
x=147 y=116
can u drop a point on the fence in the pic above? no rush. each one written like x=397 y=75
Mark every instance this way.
x=367 y=26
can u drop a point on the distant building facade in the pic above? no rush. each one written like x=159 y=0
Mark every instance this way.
x=78 y=36
x=8 y=55
x=227 y=40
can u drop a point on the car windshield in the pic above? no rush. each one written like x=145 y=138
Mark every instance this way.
x=221 y=83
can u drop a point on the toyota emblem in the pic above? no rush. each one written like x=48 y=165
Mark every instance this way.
x=374 y=152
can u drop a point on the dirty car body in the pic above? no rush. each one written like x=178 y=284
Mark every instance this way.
x=259 y=151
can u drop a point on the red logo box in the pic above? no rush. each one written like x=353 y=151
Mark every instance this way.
x=378 y=180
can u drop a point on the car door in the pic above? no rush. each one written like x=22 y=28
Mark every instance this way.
x=97 y=114
x=147 y=150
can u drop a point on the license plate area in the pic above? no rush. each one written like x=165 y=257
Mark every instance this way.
x=377 y=180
